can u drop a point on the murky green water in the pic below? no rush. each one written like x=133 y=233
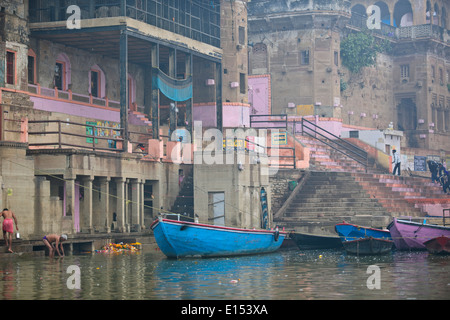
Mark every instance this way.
x=288 y=274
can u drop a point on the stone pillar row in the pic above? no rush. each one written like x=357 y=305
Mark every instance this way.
x=91 y=204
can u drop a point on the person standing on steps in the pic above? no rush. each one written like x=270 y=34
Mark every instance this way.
x=432 y=165
x=8 y=227
x=396 y=161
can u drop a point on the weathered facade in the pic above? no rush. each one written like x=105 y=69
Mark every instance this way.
x=93 y=97
x=298 y=43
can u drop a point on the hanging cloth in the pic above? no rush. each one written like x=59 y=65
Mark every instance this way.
x=174 y=89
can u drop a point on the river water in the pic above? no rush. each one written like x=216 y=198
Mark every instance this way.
x=284 y=275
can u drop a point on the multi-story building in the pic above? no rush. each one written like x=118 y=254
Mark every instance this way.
x=93 y=94
x=297 y=44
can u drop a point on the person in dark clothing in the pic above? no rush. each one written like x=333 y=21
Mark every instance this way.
x=444 y=178
x=433 y=166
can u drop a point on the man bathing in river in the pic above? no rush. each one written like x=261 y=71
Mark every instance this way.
x=8 y=227
x=57 y=240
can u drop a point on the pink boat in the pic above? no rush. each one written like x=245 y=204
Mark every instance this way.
x=410 y=235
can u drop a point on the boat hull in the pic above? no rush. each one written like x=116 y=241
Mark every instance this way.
x=350 y=232
x=410 y=235
x=368 y=246
x=306 y=241
x=178 y=239
x=438 y=245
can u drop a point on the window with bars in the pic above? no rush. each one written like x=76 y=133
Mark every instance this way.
x=10 y=67
x=404 y=71
x=305 y=57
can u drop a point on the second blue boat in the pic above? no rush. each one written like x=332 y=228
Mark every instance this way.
x=350 y=232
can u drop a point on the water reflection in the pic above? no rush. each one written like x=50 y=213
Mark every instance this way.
x=287 y=275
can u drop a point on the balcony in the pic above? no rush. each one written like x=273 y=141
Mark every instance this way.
x=198 y=20
x=403 y=33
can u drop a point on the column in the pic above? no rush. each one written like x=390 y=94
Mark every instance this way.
x=120 y=206
x=135 y=204
x=123 y=74
x=173 y=105
x=155 y=93
x=86 y=218
x=104 y=214
x=219 y=113
x=69 y=200
x=141 y=193
x=189 y=102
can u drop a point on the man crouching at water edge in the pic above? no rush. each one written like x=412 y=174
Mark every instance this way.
x=8 y=227
x=52 y=241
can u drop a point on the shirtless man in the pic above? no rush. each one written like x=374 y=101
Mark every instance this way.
x=8 y=227
x=58 y=240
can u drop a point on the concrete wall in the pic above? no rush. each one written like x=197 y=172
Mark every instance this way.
x=241 y=188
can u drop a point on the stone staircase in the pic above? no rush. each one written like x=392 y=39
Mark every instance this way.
x=20 y=248
x=327 y=198
x=338 y=188
x=184 y=203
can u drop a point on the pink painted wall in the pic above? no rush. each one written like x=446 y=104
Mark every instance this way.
x=259 y=95
x=236 y=115
x=106 y=114
x=206 y=113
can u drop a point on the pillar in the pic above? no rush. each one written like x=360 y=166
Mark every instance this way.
x=173 y=105
x=155 y=93
x=142 y=195
x=104 y=214
x=135 y=204
x=69 y=200
x=219 y=112
x=123 y=74
x=86 y=218
x=120 y=206
x=189 y=102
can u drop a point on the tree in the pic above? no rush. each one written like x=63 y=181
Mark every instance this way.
x=360 y=50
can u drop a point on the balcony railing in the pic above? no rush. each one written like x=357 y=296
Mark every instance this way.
x=400 y=33
x=198 y=20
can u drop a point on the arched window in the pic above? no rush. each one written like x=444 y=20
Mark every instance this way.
x=403 y=14
x=97 y=82
x=436 y=14
x=259 y=59
x=385 y=14
x=31 y=66
x=444 y=18
x=62 y=78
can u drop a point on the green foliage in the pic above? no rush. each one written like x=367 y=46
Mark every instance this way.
x=360 y=50
x=344 y=85
x=448 y=87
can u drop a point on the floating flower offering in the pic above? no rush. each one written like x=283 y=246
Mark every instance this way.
x=120 y=248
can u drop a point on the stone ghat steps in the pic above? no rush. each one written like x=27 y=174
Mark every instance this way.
x=325 y=158
x=337 y=196
x=328 y=194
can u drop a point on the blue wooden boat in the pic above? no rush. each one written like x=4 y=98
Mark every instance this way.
x=178 y=239
x=350 y=232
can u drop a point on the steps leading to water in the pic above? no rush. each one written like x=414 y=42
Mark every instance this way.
x=339 y=188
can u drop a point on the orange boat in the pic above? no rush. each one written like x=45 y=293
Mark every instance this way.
x=438 y=245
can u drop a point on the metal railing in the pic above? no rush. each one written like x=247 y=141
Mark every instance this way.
x=353 y=152
x=93 y=139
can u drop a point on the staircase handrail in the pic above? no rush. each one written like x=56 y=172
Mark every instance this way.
x=293 y=194
x=363 y=155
